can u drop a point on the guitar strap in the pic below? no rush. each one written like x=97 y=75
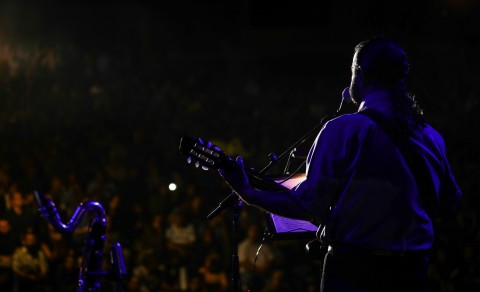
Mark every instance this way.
x=412 y=156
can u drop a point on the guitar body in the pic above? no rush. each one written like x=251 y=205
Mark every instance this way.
x=291 y=182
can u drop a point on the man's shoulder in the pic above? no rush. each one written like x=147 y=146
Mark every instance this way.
x=347 y=126
x=430 y=135
x=351 y=121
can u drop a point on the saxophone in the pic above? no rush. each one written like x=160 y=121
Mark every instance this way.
x=90 y=275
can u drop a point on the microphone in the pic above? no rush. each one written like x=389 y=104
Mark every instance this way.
x=345 y=99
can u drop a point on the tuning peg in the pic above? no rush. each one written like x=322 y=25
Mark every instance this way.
x=197 y=164
x=204 y=167
x=189 y=159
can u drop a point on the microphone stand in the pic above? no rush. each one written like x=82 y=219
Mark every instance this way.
x=256 y=179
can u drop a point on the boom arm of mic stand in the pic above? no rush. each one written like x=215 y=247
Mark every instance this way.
x=226 y=203
x=300 y=141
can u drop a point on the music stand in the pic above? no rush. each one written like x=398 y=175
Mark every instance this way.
x=280 y=228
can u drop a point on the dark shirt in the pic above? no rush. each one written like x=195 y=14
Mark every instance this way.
x=379 y=204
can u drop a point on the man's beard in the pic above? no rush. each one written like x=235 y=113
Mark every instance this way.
x=355 y=93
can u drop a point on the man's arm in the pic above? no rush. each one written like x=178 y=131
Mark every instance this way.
x=282 y=203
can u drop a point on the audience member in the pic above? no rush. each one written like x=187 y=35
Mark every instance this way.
x=22 y=217
x=213 y=276
x=30 y=264
x=8 y=243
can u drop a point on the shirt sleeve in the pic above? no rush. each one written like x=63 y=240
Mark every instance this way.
x=332 y=155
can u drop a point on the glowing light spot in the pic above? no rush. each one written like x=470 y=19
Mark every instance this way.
x=172 y=186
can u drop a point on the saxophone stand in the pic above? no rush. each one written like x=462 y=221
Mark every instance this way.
x=90 y=274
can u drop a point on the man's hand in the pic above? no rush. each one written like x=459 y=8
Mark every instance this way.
x=236 y=177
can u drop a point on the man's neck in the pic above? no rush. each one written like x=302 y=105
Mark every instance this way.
x=379 y=100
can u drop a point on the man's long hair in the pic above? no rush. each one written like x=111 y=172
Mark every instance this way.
x=385 y=63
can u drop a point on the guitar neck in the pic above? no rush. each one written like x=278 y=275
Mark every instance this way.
x=264 y=182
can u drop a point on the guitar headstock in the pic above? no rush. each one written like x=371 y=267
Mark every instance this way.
x=203 y=154
x=206 y=155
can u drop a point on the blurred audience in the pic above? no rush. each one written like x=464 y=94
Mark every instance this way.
x=84 y=125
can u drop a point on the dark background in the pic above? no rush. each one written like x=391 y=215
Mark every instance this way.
x=260 y=71
x=94 y=86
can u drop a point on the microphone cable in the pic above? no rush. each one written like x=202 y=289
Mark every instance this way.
x=252 y=282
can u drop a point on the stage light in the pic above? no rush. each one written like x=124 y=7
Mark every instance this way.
x=172 y=186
